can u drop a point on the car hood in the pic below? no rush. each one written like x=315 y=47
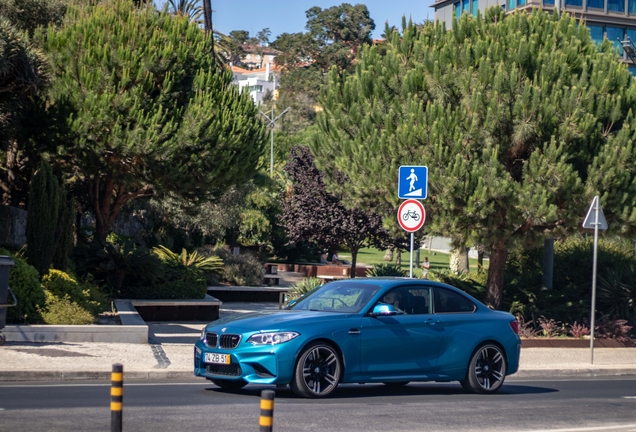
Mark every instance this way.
x=274 y=320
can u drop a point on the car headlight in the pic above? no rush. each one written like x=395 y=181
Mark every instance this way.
x=272 y=338
x=203 y=332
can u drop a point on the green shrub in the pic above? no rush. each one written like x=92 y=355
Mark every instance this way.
x=63 y=311
x=85 y=294
x=241 y=270
x=207 y=264
x=24 y=281
x=569 y=300
x=617 y=291
x=303 y=287
x=385 y=270
x=178 y=282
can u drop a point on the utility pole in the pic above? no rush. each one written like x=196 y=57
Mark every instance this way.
x=272 y=124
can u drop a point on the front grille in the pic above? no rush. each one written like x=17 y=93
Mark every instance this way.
x=229 y=341
x=228 y=370
x=211 y=339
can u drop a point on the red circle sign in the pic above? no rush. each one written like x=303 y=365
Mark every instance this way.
x=411 y=215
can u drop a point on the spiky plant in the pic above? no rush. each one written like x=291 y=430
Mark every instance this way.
x=303 y=287
x=211 y=264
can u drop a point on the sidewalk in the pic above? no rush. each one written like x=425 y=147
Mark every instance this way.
x=169 y=355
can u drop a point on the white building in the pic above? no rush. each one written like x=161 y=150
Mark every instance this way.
x=258 y=82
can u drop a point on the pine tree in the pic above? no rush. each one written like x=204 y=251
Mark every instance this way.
x=64 y=234
x=152 y=115
x=518 y=117
x=42 y=218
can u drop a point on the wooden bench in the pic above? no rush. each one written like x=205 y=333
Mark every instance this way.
x=270 y=279
x=330 y=277
x=249 y=294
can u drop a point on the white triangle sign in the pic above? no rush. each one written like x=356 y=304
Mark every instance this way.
x=590 y=220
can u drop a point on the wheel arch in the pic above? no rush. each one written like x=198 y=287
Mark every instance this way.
x=330 y=342
x=484 y=343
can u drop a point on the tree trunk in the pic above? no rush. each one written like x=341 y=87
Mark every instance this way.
x=495 y=284
x=388 y=255
x=398 y=258
x=354 y=259
x=480 y=261
x=548 y=262
x=463 y=265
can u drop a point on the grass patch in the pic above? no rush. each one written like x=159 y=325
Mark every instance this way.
x=438 y=260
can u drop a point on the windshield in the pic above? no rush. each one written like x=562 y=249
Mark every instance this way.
x=345 y=297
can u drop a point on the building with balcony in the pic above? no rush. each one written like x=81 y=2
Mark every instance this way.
x=257 y=82
x=613 y=19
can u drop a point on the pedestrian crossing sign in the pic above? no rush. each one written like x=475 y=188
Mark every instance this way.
x=412 y=182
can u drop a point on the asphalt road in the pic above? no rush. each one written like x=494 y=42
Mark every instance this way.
x=555 y=405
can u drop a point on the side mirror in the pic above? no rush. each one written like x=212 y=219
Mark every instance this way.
x=384 y=310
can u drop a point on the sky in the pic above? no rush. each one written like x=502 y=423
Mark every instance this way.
x=288 y=16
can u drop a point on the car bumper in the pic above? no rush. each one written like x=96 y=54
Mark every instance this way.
x=262 y=364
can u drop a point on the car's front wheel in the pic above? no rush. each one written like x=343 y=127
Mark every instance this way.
x=230 y=384
x=486 y=370
x=317 y=372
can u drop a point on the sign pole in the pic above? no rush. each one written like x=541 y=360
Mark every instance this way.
x=592 y=313
x=411 y=266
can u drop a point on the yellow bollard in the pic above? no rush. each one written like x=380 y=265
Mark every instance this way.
x=116 y=397
x=267 y=411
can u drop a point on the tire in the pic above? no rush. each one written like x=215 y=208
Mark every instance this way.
x=318 y=371
x=486 y=370
x=229 y=384
x=396 y=384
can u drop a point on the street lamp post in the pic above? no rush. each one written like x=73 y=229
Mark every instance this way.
x=272 y=124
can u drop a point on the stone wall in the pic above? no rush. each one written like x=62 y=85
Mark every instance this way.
x=12 y=225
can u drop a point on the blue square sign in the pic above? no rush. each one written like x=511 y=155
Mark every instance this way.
x=412 y=182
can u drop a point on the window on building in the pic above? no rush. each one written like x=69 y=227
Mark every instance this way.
x=596 y=4
x=632 y=69
x=631 y=6
x=548 y=2
x=596 y=32
x=616 y=5
x=574 y=2
x=631 y=34
x=476 y=6
x=616 y=35
x=458 y=9
x=521 y=2
x=466 y=6
x=512 y=4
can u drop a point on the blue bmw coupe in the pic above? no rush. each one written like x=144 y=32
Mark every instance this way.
x=366 y=330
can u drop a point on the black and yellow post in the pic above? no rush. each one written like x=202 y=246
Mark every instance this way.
x=267 y=411
x=116 y=397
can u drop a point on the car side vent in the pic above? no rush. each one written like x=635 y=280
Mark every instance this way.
x=229 y=341
x=211 y=339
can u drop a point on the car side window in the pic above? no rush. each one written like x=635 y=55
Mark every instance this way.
x=447 y=301
x=410 y=300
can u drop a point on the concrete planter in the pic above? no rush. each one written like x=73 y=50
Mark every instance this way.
x=574 y=343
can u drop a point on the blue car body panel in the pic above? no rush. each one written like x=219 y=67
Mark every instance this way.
x=406 y=347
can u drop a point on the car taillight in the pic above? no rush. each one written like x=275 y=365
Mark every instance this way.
x=514 y=325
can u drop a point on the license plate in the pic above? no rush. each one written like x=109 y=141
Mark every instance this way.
x=217 y=358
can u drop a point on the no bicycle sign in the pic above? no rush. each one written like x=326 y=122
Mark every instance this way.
x=411 y=215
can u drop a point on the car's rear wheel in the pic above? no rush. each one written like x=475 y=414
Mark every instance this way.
x=396 y=383
x=486 y=370
x=230 y=384
x=317 y=372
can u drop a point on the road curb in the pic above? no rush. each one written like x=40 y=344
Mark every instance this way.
x=7 y=376
x=573 y=373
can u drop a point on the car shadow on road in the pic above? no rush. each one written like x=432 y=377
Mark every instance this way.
x=353 y=391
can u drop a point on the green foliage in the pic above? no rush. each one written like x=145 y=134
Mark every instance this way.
x=520 y=118
x=28 y=15
x=303 y=287
x=65 y=232
x=66 y=287
x=210 y=264
x=616 y=291
x=64 y=311
x=241 y=270
x=42 y=218
x=152 y=115
x=385 y=270
x=569 y=300
x=177 y=282
x=25 y=284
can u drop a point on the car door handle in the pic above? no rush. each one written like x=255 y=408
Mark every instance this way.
x=354 y=331
x=431 y=321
